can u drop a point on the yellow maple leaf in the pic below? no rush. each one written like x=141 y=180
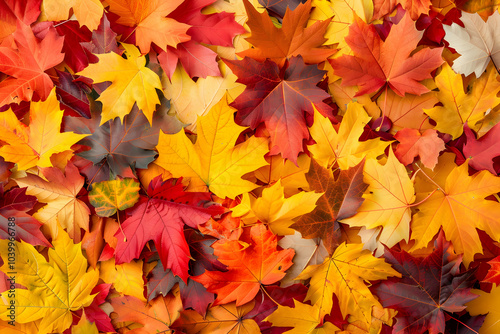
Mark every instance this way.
x=152 y=25
x=274 y=209
x=190 y=99
x=292 y=176
x=156 y=316
x=386 y=201
x=344 y=274
x=34 y=145
x=54 y=288
x=459 y=207
x=84 y=326
x=131 y=82
x=460 y=108
x=126 y=277
x=60 y=192
x=213 y=162
x=87 y=12
x=343 y=147
x=302 y=317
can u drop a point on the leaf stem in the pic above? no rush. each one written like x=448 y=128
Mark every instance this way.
x=430 y=179
x=264 y=290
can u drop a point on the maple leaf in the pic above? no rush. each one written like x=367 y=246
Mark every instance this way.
x=103 y=39
x=190 y=99
x=27 y=64
x=131 y=82
x=93 y=241
x=412 y=144
x=257 y=263
x=428 y=288
x=476 y=42
x=84 y=327
x=494 y=272
x=414 y=7
x=33 y=145
x=156 y=316
x=54 y=287
x=486 y=303
x=377 y=64
x=292 y=40
x=273 y=209
x=26 y=11
x=341 y=199
x=459 y=207
x=342 y=146
x=61 y=193
x=278 y=98
x=162 y=281
x=291 y=176
x=386 y=201
x=222 y=319
x=14 y=220
x=196 y=59
x=161 y=217
x=482 y=151
x=302 y=317
x=460 y=108
x=150 y=22
x=213 y=162
x=109 y=196
x=87 y=12
x=118 y=148
x=344 y=274
x=72 y=95
x=126 y=277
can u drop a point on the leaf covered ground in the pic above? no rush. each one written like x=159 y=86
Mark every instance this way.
x=249 y=166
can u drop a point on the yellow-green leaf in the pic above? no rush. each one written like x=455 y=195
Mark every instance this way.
x=109 y=196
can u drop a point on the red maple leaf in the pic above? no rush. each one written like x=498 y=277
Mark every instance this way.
x=15 y=222
x=279 y=98
x=429 y=288
x=377 y=64
x=161 y=217
x=27 y=64
x=482 y=151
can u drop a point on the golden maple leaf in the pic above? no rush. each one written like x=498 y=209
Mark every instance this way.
x=131 y=82
x=387 y=201
x=33 y=145
x=54 y=287
x=459 y=107
x=344 y=274
x=343 y=146
x=213 y=162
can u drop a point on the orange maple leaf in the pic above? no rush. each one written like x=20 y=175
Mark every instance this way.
x=377 y=64
x=292 y=39
x=251 y=261
x=152 y=25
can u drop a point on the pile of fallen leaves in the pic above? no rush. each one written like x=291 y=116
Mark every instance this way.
x=247 y=166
